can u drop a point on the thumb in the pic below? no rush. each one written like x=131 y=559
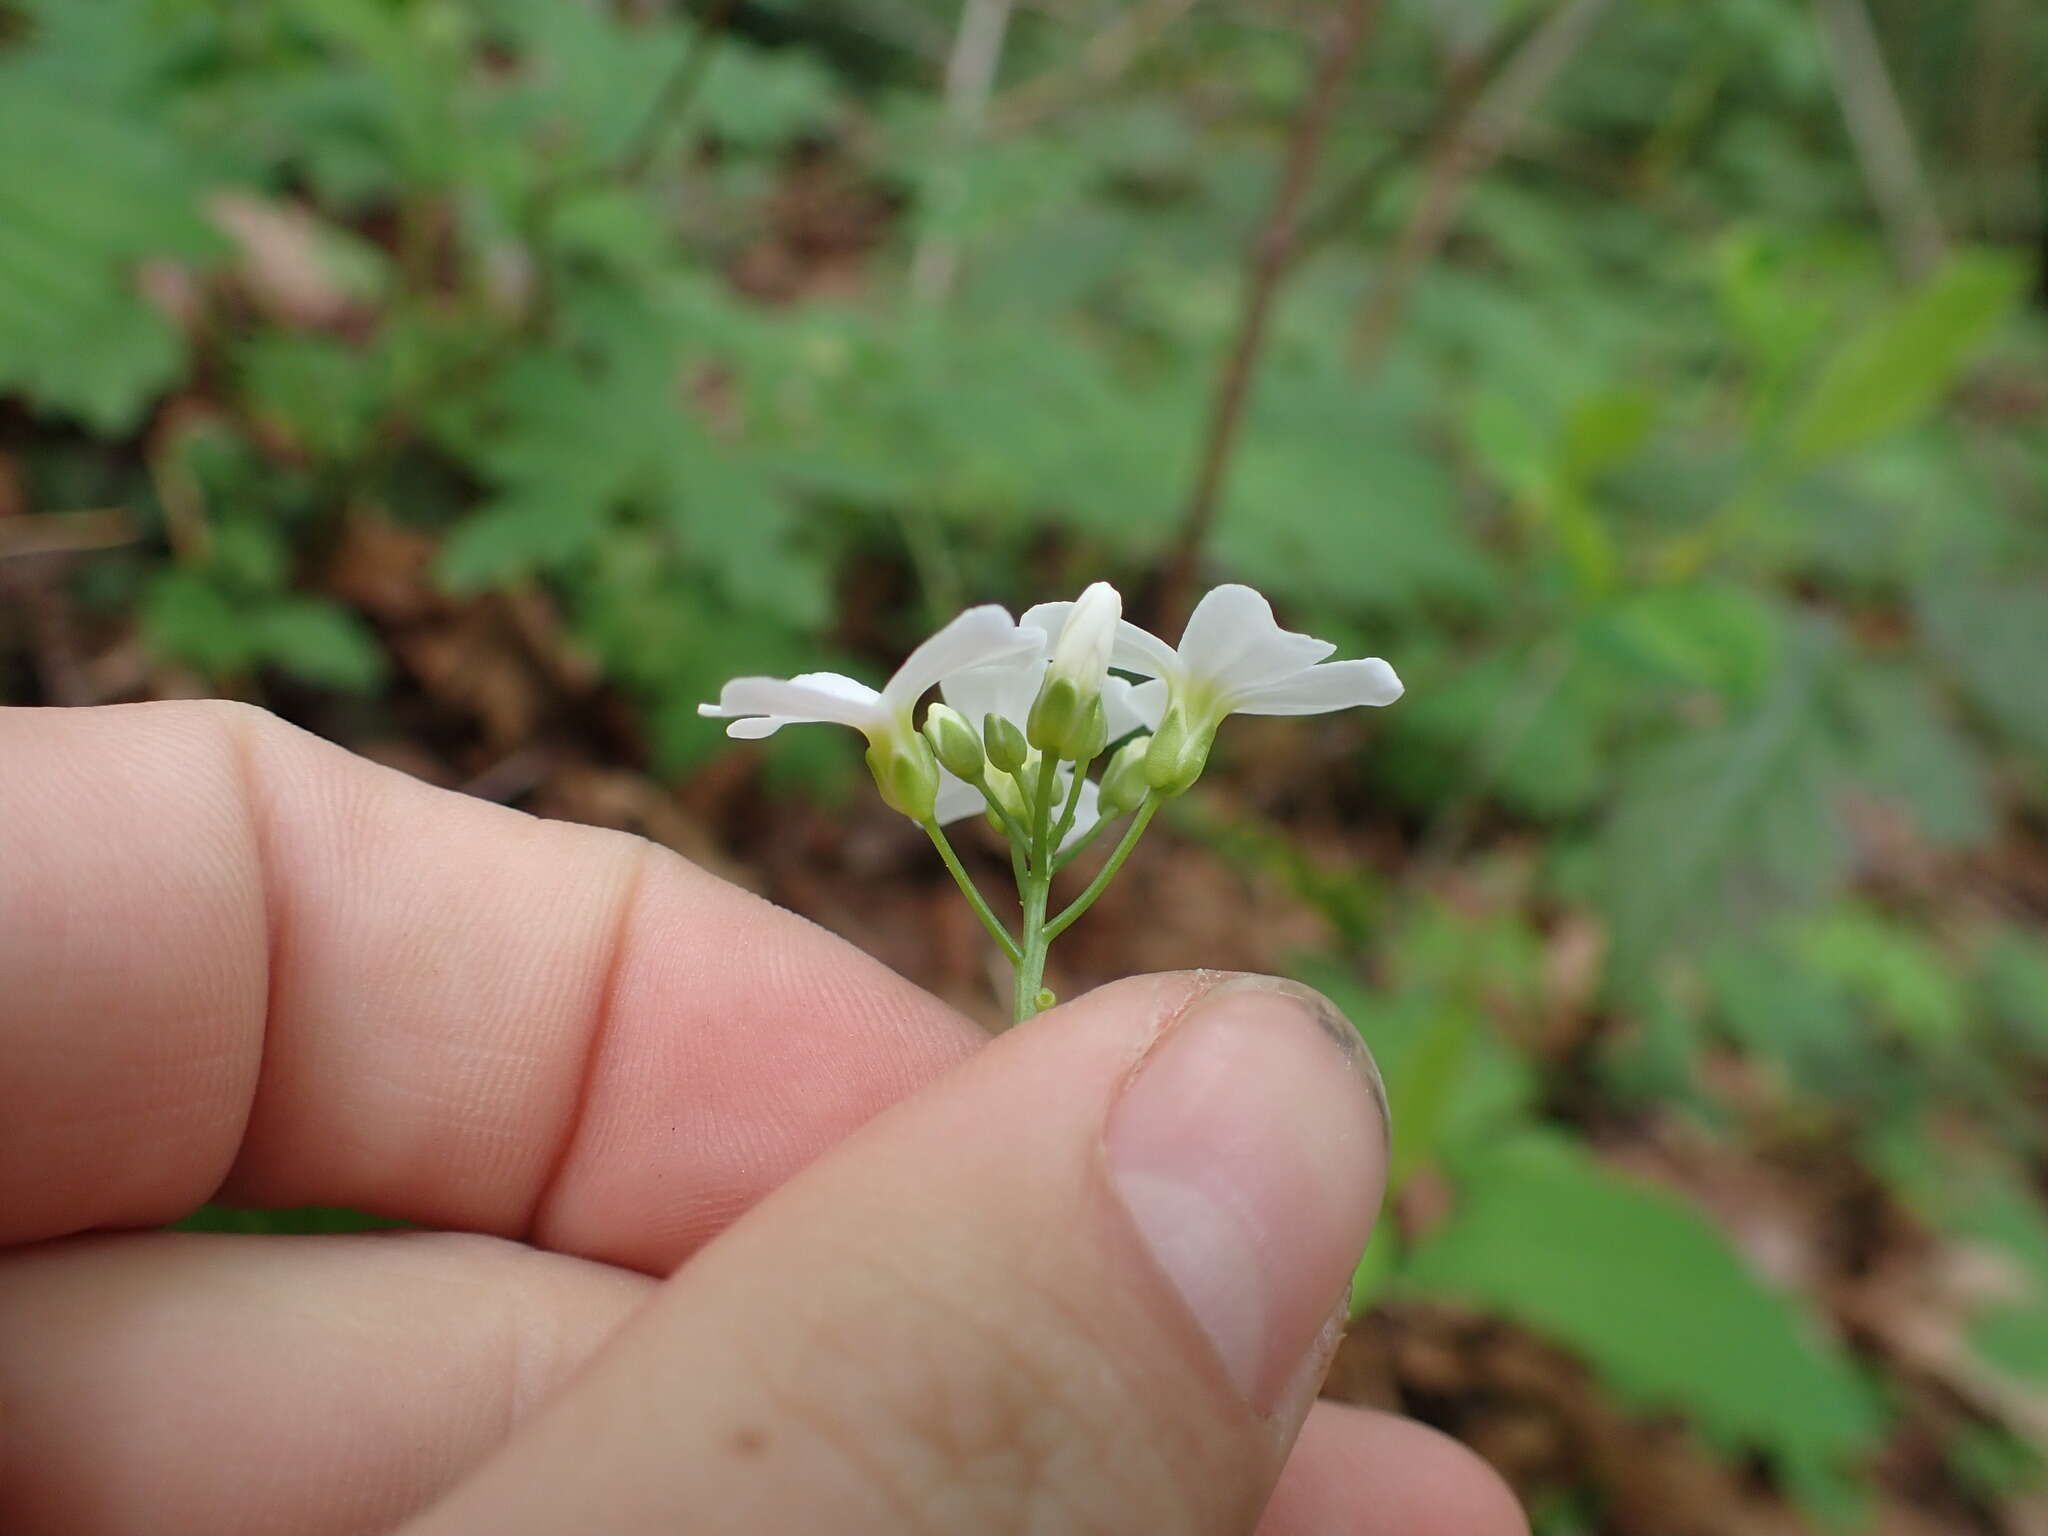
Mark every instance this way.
x=1090 y=1281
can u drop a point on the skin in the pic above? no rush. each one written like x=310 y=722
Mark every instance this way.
x=740 y=1231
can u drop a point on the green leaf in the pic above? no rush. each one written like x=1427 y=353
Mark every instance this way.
x=1994 y=637
x=513 y=539
x=1703 y=634
x=1606 y=429
x=185 y=618
x=2013 y=970
x=1723 y=828
x=1894 y=371
x=1906 y=749
x=320 y=394
x=1892 y=969
x=1650 y=1293
x=733 y=519
x=88 y=195
x=317 y=641
x=1332 y=500
x=2010 y=1330
x=1782 y=1011
x=1530 y=728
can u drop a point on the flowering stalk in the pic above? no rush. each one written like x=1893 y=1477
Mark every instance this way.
x=1031 y=705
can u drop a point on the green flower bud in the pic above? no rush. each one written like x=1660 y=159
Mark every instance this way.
x=953 y=742
x=1009 y=794
x=907 y=775
x=1007 y=748
x=1178 y=753
x=1057 y=714
x=1087 y=743
x=1124 y=786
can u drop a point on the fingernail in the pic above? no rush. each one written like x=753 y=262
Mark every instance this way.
x=1250 y=1149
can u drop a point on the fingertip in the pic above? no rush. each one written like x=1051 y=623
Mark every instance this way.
x=1359 y=1472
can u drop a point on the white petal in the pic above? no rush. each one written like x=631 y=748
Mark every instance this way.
x=1316 y=690
x=977 y=637
x=1080 y=652
x=957 y=800
x=1141 y=651
x=1233 y=641
x=1132 y=705
x=826 y=696
x=1146 y=703
x=1005 y=689
x=1050 y=617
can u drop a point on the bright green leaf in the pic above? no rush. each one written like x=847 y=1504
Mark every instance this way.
x=1648 y=1291
x=1896 y=368
x=317 y=641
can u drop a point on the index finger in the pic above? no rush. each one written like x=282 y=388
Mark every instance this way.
x=236 y=960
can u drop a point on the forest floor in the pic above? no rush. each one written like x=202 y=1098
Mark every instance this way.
x=489 y=697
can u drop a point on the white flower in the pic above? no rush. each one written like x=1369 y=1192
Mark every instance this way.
x=1080 y=649
x=1235 y=659
x=1007 y=688
x=761 y=706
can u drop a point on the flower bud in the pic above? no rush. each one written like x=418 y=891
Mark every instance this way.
x=1007 y=748
x=1124 y=786
x=1081 y=654
x=1056 y=714
x=1009 y=794
x=1087 y=743
x=907 y=775
x=1178 y=752
x=1060 y=715
x=953 y=742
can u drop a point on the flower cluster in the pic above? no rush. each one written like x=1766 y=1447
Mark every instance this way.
x=1030 y=705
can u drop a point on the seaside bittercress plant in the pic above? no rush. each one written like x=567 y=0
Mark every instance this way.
x=1029 y=705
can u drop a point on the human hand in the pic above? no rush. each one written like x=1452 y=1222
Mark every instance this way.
x=1082 y=1278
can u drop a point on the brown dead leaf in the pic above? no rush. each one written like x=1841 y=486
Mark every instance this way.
x=285 y=260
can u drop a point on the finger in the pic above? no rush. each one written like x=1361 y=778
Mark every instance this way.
x=1088 y=1281
x=1359 y=1473
x=288 y=1386
x=233 y=954
x=356 y=1379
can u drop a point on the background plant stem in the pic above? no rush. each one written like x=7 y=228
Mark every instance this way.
x=1469 y=146
x=1882 y=136
x=1270 y=260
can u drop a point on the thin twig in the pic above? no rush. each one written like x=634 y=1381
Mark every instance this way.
x=1882 y=136
x=1466 y=151
x=1108 y=55
x=66 y=533
x=970 y=77
x=672 y=103
x=1357 y=194
x=1272 y=255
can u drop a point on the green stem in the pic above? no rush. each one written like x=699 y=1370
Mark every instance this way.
x=1073 y=804
x=972 y=892
x=1037 y=887
x=1081 y=844
x=1031 y=963
x=1100 y=883
x=1016 y=833
x=1041 y=814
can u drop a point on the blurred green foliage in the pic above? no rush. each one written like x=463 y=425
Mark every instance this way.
x=1712 y=553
